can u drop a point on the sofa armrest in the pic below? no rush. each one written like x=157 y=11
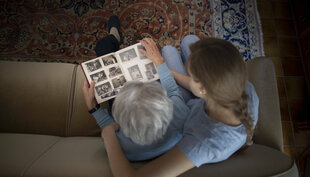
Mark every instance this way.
x=268 y=131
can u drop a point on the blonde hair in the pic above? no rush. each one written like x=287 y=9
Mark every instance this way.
x=220 y=69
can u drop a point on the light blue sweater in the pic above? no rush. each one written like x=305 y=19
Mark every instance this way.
x=206 y=140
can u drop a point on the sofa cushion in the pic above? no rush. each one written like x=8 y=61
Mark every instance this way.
x=81 y=122
x=257 y=160
x=19 y=151
x=81 y=156
x=268 y=130
x=35 y=97
x=74 y=156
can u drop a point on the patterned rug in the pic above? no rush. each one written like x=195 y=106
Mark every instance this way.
x=67 y=30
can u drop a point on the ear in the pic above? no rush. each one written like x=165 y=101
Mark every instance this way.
x=203 y=91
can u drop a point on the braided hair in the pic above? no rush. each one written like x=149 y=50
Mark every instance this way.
x=220 y=69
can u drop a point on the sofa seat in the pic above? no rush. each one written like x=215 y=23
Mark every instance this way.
x=41 y=155
x=19 y=151
x=249 y=163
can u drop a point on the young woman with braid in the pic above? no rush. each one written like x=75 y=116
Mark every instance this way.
x=222 y=115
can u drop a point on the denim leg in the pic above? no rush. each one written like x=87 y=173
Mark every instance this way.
x=173 y=60
x=186 y=42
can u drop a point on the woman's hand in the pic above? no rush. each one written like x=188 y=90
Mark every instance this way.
x=89 y=95
x=151 y=51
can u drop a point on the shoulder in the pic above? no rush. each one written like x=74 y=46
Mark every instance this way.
x=208 y=141
x=211 y=149
x=195 y=103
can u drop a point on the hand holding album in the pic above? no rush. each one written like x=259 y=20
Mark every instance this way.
x=151 y=51
x=110 y=72
x=89 y=94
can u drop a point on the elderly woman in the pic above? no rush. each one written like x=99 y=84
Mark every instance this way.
x=151 y=116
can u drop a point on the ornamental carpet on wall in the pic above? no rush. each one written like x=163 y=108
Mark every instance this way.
x=67 y=30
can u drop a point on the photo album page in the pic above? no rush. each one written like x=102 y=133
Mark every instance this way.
x=111 y=71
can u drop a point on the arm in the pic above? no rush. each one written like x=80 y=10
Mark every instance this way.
x=173 y=163
x=102 y=116
x=167 y=81
x=151 y=51
x=181 y=79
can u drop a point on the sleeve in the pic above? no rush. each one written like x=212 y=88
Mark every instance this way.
x=180 y=109
x=214 y=148
x=195 y=150
x=103 y=118
x=168 y=82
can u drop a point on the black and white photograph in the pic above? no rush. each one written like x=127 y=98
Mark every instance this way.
x=151 y=67
x=114 y=92
x=141 y=55
x=118 y=82
x=149 y=75
x=135 y=72
x=109 y=60
x=115 y=71
x=128 y=55
x=103 y=88
x=99 y=76
x=93 y=66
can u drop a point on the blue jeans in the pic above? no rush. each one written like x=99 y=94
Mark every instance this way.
x=175 y=60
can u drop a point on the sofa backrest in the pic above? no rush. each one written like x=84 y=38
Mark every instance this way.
x=35 y=97
x=46 y=98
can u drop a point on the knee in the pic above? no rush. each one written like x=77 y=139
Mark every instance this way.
x=168 y=49
x=189 y=39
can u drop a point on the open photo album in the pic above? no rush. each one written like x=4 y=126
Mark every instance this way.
x=111 y=71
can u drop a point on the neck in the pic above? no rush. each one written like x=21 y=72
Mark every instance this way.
x=222 y=114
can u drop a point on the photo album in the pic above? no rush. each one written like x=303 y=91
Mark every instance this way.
x=111 y=71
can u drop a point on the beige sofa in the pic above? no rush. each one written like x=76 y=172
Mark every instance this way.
x=45 y=129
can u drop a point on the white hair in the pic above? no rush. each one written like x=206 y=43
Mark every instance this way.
x=143 y=111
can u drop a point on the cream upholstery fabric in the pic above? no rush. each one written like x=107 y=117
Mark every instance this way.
x=35 y=97
x=46 y=98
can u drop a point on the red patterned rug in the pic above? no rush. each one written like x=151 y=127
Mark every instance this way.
x=67 y=30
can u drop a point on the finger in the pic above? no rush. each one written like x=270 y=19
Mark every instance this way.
x=142 y=43
x=147 y=46
x=148 y=40
x=152 y=43
x=85 y=83
x=145 y=39
x=85 y=86
x=142 y=51
x=92 y=85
